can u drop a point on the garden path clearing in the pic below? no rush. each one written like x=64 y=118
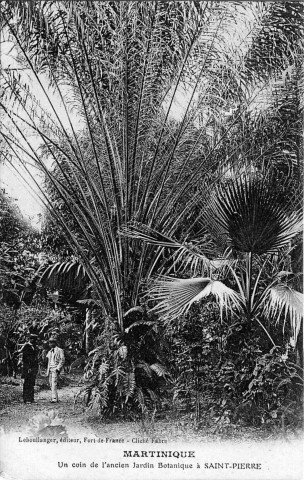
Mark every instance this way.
x=15 y=415
x=78 y=420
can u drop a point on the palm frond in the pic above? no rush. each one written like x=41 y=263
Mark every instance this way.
x=248 y=216
x=137 y=309
x=90 y=302
x=175 y=296
x=139 y=323
x=194 y=253
x=64 y=275
x=283 y=300
x=149 y=235
x=273 y=39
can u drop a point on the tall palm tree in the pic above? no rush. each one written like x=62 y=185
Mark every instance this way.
x=121 y=148
x=151 y=95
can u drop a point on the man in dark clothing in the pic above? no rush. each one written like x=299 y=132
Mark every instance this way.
x=29 y=368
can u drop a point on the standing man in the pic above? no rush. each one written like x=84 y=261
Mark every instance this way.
x=55 y=363
x=29 y=354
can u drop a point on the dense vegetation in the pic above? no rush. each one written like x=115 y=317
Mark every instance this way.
x=169 y=140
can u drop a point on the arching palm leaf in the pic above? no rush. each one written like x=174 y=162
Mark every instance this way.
x=283 y=300
x=175 y=296
x=64 y=275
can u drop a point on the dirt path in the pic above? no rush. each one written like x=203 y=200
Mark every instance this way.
x=14 y=414
x=14 y=417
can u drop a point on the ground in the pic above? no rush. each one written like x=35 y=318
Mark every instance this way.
x=14 y=417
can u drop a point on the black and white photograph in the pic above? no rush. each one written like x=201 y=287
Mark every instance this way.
x=151 y=231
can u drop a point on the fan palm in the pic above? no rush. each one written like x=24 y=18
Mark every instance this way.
x=248 y=222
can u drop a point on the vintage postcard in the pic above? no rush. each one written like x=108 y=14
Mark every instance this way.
x=151 y=196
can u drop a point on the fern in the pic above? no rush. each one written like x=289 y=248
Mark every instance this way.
x=159 y=369
x=123 y=352
x=140 y=399
x=119 y=373
x=153 y=396
x=103 y=395
x=129 y=384
x=145 y=367
x=103 y=369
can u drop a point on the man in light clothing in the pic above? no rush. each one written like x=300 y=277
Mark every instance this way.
x=55 y=363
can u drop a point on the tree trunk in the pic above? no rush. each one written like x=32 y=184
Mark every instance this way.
x=87 y=330
x=299 y=348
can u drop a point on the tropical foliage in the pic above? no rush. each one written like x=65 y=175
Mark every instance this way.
x=19 y=248
x=169 y=142
x=228 y=378
x=249 y=224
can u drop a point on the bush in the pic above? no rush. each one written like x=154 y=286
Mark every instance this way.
x=275 y=391
x=126 y=371
x=227 y=376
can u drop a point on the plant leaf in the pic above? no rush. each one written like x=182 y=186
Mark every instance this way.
x=284 y=300
x=248 y=216
x=175 y=296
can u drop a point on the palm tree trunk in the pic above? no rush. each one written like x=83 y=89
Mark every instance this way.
x=248 y=291
x=299 y=348
x=87 y=330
